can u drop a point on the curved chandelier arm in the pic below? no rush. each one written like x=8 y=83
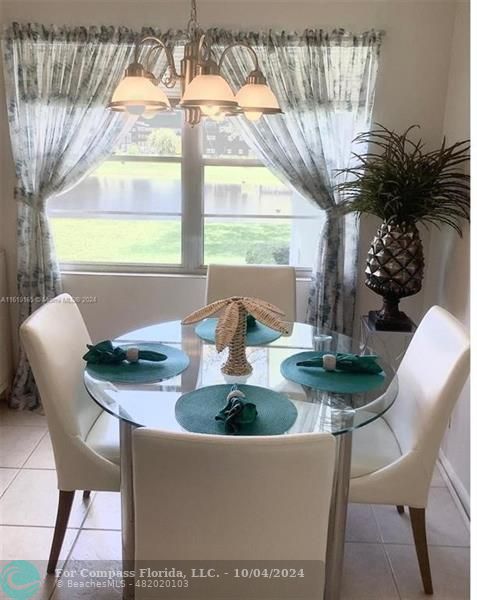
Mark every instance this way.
x=158 y=45
x=242 y=45
x=203 y=47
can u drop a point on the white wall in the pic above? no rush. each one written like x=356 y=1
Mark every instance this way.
x=412 y=88
x=449 y=255
x=7 y=208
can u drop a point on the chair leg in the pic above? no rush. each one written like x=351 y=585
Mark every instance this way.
x=400 y=509
x=418 y=522
x=65 y=502
x=86 y=494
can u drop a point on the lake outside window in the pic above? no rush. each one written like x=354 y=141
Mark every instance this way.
x=175 y=198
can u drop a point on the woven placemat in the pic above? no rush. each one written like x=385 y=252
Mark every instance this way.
x=143 y=371
x=328 y=381
x=196 y=410
x=258 y=335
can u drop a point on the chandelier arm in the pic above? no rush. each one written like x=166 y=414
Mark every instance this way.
x=159 y=44
x=241 y=45
x=203 y=46
x=168 y=78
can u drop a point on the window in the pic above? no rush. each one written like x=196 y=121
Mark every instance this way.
x=250 y=216
x=129 y=210
x=175 y=198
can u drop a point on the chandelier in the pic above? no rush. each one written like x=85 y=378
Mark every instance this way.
x=204 y=91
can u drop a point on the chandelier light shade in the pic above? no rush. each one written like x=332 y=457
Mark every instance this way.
x=211 y=93
x=137 y=94
x=204 y=91
x=257 y=99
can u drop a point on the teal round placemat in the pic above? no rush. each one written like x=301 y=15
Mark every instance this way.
x=144 y=371
x=328 y=381
x=196 y=410
x=257 y=335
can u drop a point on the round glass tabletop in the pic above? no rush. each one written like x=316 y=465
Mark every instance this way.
x=153 y=404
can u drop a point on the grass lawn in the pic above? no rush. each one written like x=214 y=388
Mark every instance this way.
x=172 y=171
x=154 y=241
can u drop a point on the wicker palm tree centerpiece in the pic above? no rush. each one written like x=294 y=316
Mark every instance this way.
x=402 y=184
x=231 y=328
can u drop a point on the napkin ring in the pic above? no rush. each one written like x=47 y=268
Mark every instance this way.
x=132 y=355
x=329 y=362
x=235 y=393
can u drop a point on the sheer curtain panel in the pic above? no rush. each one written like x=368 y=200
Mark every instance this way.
x=325 y=85
x=58 y=82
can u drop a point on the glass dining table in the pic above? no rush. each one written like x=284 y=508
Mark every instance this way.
x=153 y=405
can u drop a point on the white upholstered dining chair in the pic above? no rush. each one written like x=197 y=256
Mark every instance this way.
x=85 y=439
x=395 y=465
x=275 y=284
x=213 y=497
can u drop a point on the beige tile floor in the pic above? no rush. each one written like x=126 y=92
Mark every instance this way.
x=380 y=562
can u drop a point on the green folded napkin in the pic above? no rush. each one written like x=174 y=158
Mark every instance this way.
x=251 y=322
x=105 y=353
x=350 y=363
x=236 y=412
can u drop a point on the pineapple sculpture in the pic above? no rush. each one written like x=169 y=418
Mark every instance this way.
x=231 y=328
x=395 y=267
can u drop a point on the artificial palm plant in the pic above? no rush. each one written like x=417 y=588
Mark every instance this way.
x=231 y=328
x=401 y=183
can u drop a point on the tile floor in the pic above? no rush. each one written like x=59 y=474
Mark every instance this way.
x=380 y=562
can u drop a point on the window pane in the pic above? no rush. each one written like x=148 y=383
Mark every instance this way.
x=261 y=241
x=156 y=136
x=128 y=210
x=118 y=240
x=251 y=191
x=222 y=140
x=123 y=186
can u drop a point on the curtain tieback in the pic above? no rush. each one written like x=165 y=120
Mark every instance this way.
x=334 y=212
x=33 y=201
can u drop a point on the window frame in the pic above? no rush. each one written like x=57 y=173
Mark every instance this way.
x=193 y=164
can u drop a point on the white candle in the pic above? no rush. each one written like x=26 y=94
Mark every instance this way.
x=329 y=362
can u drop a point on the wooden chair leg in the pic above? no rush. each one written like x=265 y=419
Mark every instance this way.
x=400 y=509
x=65 y=502
x=418 y=522
x=86 y=494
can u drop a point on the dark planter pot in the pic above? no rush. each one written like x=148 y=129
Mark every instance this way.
x=394 y=270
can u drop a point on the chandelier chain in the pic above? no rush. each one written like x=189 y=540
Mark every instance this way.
x=193 y=25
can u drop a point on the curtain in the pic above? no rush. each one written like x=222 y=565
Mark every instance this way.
x=325 y=85
x=59 y=80
x=58 y=83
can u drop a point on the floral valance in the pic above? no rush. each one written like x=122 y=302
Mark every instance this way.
x=25 y=43
x=105 y=34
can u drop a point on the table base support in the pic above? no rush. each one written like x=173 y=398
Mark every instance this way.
x=127 y=506
x=338 y=514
